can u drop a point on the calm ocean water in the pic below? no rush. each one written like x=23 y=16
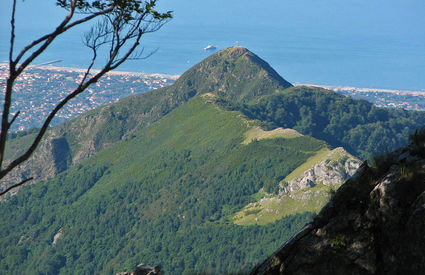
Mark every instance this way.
x=314 y=49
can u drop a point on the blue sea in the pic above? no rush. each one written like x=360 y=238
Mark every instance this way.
x=372 y=44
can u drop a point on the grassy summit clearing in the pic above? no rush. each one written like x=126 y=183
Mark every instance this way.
x=270 y=209
x=257 y=133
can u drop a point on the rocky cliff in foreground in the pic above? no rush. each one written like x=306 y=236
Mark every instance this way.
x=373 y=225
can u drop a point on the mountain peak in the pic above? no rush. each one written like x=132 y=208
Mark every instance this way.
x=234 y=73
x=234 y=51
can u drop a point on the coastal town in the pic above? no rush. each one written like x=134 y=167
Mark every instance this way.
x=39 y=88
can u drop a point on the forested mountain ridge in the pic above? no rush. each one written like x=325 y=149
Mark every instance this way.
x=235 y=73
x=158 y=178
x=357 y=125
x=246 y=83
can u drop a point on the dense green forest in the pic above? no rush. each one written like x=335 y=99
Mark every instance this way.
x=109 y=236
x=357 y=125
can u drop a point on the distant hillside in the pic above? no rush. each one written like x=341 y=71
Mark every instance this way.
x=357 y=125
x=235 y=74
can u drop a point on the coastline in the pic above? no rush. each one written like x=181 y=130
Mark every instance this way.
x=363 y=90
x=79 y=70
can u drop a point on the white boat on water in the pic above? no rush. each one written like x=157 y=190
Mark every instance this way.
x=210 y=48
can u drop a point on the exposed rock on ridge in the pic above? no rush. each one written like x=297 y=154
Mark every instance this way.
x=53 y=156
x=143 y=270
x=373 y=225
x=328 y=172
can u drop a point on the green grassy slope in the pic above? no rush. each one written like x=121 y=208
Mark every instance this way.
x=162 y=196
x=269 y=208
x=234 y=73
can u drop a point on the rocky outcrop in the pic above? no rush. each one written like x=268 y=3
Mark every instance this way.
x=373 y=225
x=52 y=157
x=144 y=270
x=334 y=169
x=57 y=236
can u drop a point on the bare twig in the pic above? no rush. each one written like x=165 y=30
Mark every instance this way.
x=14 y=118
x=15 y=186
x=60 y=29
x=12 y=32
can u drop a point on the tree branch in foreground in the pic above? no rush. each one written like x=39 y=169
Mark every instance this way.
x=123 y=25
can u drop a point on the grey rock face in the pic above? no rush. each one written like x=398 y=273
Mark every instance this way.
x=373 y=225
x=326 y=172
x=52 y=157
x=306 y=183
